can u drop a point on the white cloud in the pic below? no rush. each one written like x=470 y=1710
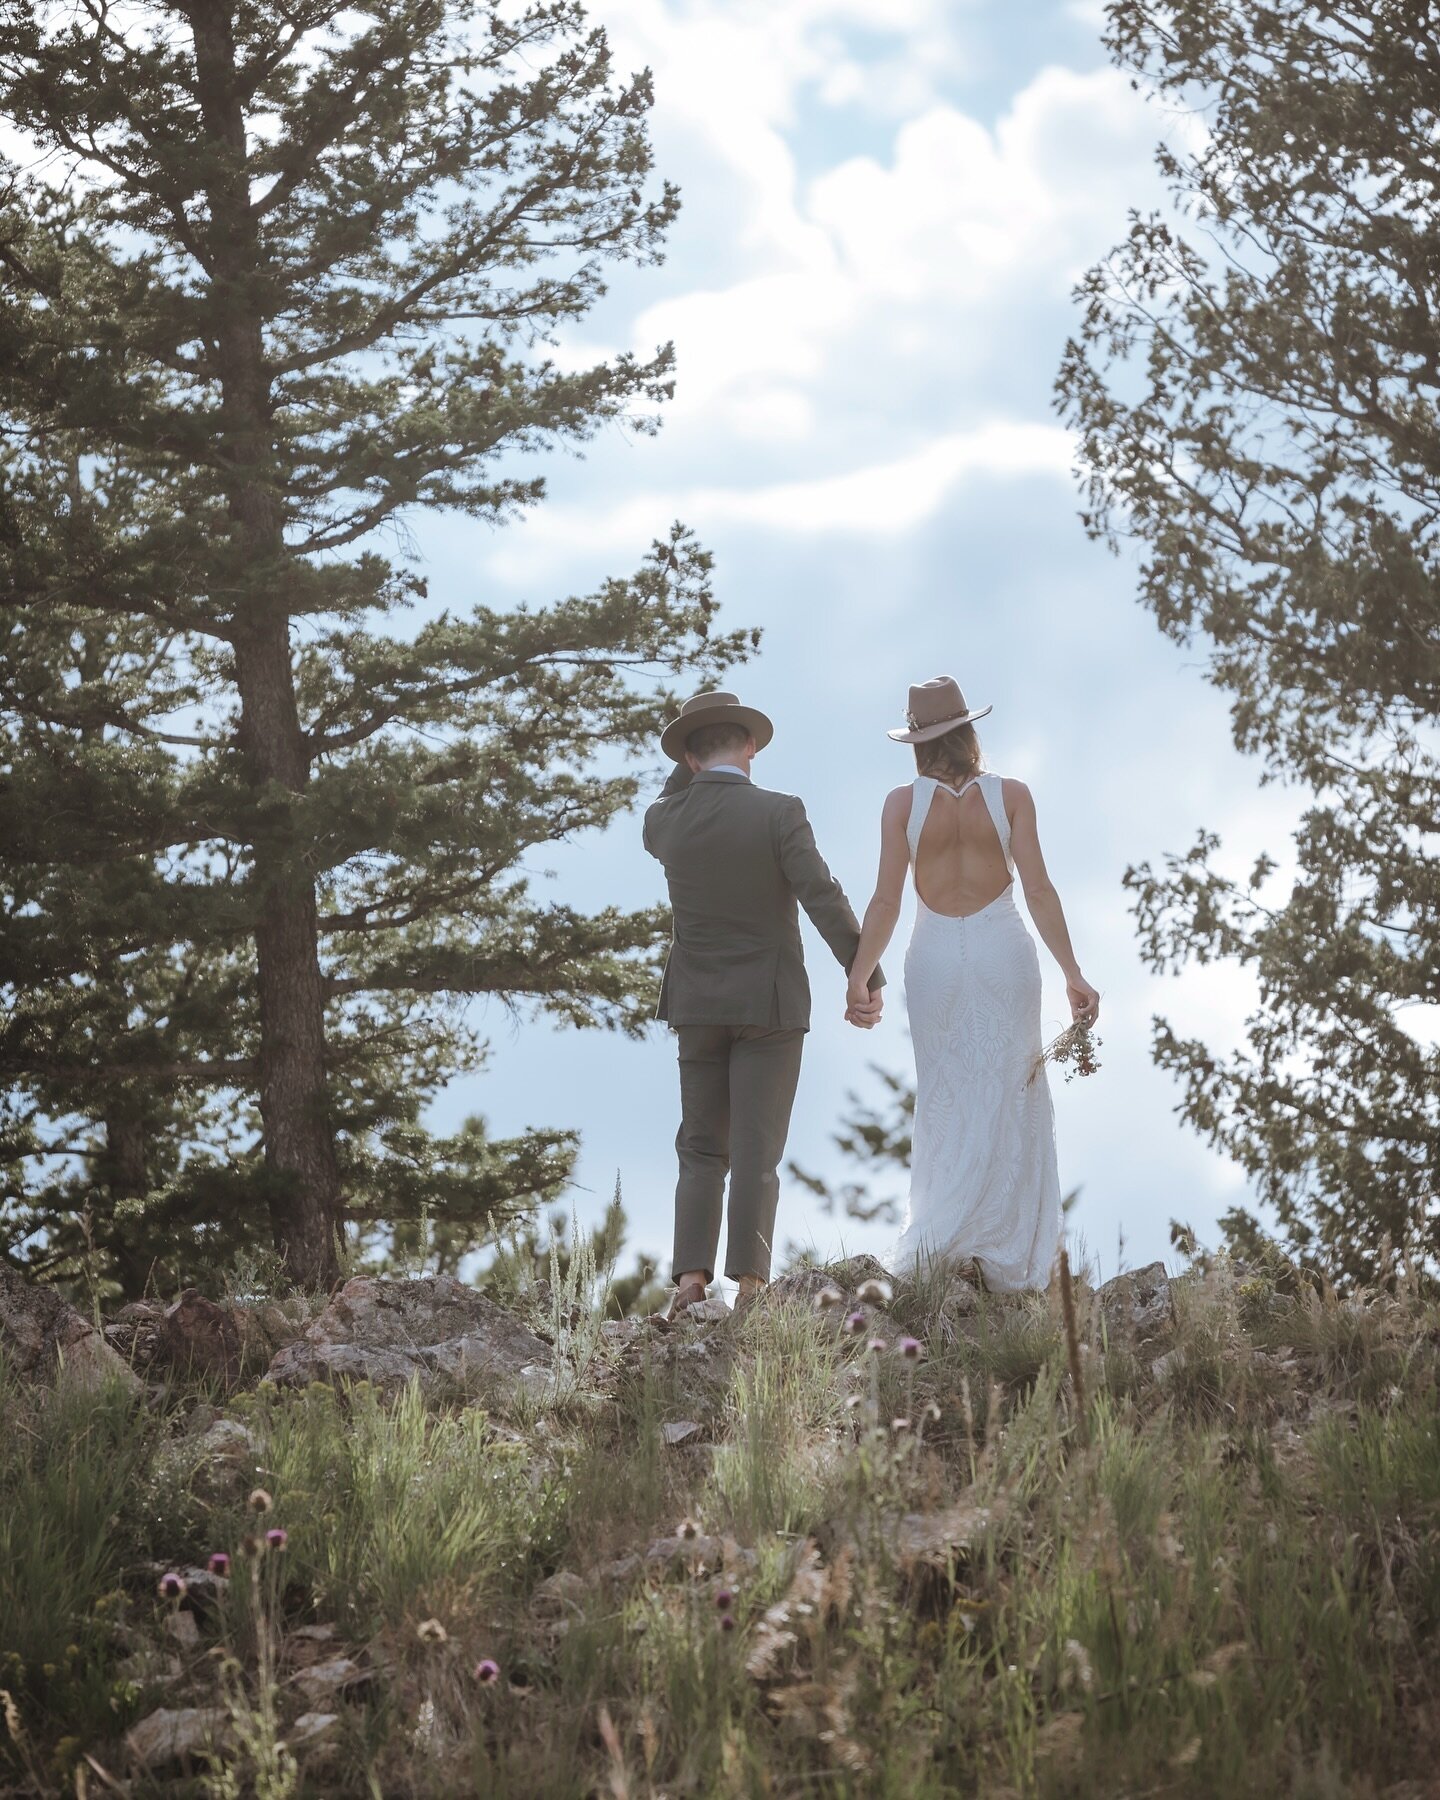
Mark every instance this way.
x=875 y=500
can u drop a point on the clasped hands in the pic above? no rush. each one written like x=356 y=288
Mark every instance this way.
x=863 y=1004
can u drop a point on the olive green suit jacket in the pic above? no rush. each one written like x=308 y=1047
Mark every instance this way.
x=740 y=861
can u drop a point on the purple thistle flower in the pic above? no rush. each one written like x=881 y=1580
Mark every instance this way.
x=727 y=1621
x=487 y=1671
x=856 y=1323
x=219 y=1563
x=725 y=1599
x=876 y=1345
x=171 y=1586
x=910 y=1347
x=276 y=1538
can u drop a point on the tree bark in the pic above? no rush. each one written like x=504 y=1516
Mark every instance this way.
x=305 y=1197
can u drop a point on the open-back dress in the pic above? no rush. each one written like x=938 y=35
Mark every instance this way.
x=983 y=1180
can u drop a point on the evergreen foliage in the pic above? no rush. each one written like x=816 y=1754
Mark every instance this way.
x=279 y=278
x=1255 y=395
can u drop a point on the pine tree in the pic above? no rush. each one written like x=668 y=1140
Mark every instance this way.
x=281 y=278
x=1256 y=405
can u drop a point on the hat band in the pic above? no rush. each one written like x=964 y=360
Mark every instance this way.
x=926 y=724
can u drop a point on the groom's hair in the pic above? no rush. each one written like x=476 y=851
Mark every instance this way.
x=711 y=740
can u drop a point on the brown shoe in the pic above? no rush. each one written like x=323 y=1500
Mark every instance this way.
x=687 y=1295
x=749 y=1292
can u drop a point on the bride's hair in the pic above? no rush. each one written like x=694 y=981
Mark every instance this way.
x=953 y=757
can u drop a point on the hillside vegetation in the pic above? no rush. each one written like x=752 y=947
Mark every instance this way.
x=853 y=1544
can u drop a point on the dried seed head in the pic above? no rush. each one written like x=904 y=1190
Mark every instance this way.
x=852 y=1401
x=687 y=1529
x=487 y=1671
x=219 y=1563
x=828 y=1297
x=260 y=1501
x=250 y=1546
x=171 y=1586
x=931 y=1414
x=875 y=1346
x=899 y=1426
x=431 y=1631
x=873 y=1293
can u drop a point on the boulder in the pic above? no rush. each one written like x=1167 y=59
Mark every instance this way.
x=1137 y=1304
x=44 y=1339
x=563 y=1592
x=220 y=1462
x=201 y=1337
x=313 y=1731
x=434 y=1329
x=134 y=1332
x=174 y=1734
x=336 y=1678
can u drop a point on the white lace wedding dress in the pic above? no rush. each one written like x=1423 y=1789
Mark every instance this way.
x=983 y=1178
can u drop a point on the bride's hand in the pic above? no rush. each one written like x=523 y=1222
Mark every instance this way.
x=862 y=1007
x=1084 y=1001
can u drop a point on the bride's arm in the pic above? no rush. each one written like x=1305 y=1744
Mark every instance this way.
x=1044 y=902
x=883 y=912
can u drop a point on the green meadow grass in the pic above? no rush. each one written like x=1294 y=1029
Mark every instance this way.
x=935 y=1577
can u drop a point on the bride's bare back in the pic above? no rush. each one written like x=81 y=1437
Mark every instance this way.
x=960 y=865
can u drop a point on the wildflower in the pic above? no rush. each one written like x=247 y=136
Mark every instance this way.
x=856 y=1323
x=487 y=1671
x=931 y=1414
x=853 y=1401
x=727 y=1621
x=687 y=1529
x=828 y=1297
x=219 y=1563
x=725 y=1599
x=172 y=1586
x=276 y=1538
x=431 y=1631
x=875 y=1346
x=910 y=1347
x=899 y=1426
x=873 y=1293
x=260 y=1501
x=250 y=1546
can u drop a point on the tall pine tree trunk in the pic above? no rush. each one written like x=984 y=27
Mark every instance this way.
x=305 y=1202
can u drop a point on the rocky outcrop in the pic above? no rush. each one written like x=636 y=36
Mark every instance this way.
x=196 y=1336
x=1137 y=1305
x=434 y=1330
x=201 y=1337
x=44 y=1339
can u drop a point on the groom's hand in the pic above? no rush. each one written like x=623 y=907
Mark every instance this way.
x=863 y=1006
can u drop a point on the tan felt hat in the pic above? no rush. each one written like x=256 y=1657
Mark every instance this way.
x=713 y=709
x=936 y=707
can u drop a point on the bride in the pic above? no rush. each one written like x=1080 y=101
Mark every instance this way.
x=983 y=1180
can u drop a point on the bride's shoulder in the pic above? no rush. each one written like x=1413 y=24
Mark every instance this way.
x=897 y=806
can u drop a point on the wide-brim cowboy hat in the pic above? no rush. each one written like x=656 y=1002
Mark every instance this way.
x=713 y=709
x=935 y=707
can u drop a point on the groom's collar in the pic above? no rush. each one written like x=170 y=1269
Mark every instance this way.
x=726 y=769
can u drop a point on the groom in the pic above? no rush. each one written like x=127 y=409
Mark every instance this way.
x=737 y=859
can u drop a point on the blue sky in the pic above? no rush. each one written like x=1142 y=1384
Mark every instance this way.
x=886 y=204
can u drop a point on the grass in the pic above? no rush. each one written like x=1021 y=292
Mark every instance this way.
x=935 y=1586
